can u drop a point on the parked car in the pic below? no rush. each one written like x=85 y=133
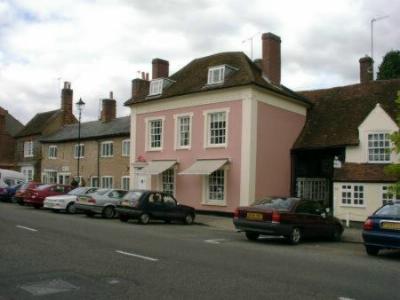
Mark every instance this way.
x=146 y=205
x=292 y=218
x=35 y=197
x=102 y=202
x=10 y=178
x=6 y=193
x=20 y=194
x=382 y=229
x=67 y=202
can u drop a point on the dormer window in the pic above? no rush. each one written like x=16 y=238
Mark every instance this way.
x=216 y=75
x=156 y=87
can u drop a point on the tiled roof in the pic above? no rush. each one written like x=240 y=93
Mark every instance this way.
x=38 y=123
x=353 y=172
x=337 y=112
x=13 y=126
x=193 y=78
x=91 y=130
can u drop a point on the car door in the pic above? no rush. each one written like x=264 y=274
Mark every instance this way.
x=310 y=218
x=155 y=205
x=171 y=207
x=115 y=196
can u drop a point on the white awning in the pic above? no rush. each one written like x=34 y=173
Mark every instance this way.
x=204 y=167
x=156 y=167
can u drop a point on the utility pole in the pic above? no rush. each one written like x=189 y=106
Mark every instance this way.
x=373 y=20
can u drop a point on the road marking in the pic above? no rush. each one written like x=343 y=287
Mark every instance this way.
x=215 y=241
x=136 y=255
x=345 y=298
x=26 y=228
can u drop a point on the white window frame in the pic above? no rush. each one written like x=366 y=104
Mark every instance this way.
x=126 y=149
x=207 y=130
x=206 y=200
x=28 y=148
x=91 y=181
x=221 y=76
x=156 y=87
x=388 y=148
x=81 y=152
x=122 y=182
x=148 y=131
x=387 y=196
x=177 y=140
x=107 y=177
x=47 y=179
x=26 y=170
x=351 y=194
x=161 y=180
x=104 y=144
x=52 y=152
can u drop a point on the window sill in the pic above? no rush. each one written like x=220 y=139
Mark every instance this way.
x=107 y=156
x=222 y=204
x=154 y=150
x=352 y=206
x=79 y=157
x=379 y=162
x=216 y=146
x=183 y=148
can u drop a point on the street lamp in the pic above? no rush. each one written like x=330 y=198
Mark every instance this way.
x=79 y=105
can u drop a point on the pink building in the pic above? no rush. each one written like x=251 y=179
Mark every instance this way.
x=217 y=133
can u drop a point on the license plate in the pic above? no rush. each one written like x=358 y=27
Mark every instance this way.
x=390 y=225
x=254 y=216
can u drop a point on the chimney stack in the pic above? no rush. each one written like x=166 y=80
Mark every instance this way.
x=3 y=114
x=160 y=68
x=66 y=103
x=140 y=87
x=366 y=74
x=109 y=109
x=271 y=57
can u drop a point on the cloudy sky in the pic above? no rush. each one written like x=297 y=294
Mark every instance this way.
x=101 y=45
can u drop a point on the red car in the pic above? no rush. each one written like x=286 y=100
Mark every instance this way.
x=20 y=194
x=35 y=197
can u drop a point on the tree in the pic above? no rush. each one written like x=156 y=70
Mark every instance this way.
x=394 y=169
x=390 y=66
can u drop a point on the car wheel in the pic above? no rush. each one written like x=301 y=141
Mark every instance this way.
x=144 y=219
x=295 y=236
x=89 y=214
x=22 y=203
x=71 y=208
x=108 y=212
x=372 y=250
x=189 y=219
x=337 y=234
x=252 y=236
x=123 y=218
x=36 y=206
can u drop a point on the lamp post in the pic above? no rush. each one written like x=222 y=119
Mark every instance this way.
x=79 y=105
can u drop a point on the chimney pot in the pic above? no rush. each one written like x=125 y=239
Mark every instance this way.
x=271 y=57
x=111 y=95
x=366 y=64
x=160 y=68
x=109 y=111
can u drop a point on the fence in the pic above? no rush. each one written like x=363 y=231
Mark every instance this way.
x=313 y=188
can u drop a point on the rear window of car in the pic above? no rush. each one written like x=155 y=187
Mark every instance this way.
x=389 y=210
x=43 y=187
x=133 y=196
x=77 y=191
x=276 y=203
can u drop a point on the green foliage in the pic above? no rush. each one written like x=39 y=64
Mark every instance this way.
x=394 y=169
x=390 y=66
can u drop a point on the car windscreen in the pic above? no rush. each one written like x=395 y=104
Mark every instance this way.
x=276 y=203
x=133 y=195
x=77 y=191
x=389 y=210
x=43 y=187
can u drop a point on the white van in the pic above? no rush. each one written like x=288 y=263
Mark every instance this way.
x=10 y=178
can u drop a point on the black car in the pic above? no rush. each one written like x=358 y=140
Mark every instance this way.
x=146 y=205
x=382 y=229
x=292 y=218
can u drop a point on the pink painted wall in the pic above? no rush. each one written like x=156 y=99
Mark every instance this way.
x=189 y=187
x=277 y=131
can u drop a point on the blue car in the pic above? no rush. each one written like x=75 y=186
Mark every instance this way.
x=7 y=193
x=382 y=229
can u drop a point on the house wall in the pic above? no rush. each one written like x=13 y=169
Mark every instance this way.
x=7 y=151
x=372 y=201
x=33 y=161
x=116 y=166
x=377 y=121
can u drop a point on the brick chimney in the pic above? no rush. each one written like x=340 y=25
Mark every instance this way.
x=366 y=74
x=66 y=103
x=160 y=68
x=109 y=109
x=140 y=88
x=271 y=57
x=3 y=114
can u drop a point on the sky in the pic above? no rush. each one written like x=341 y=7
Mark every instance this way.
x=99 y=46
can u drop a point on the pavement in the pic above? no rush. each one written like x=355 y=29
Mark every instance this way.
x=350 y=235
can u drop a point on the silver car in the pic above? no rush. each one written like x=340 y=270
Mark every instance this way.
x=67 y=202
x=103 y=202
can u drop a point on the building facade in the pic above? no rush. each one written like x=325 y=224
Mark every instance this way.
x=217 y=134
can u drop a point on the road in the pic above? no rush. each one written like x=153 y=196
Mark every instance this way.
x=46 y=255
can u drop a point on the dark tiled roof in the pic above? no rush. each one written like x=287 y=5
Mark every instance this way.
x=193 y=78
x=352 y=172
x=337 y=112
x=38 y=123
x=13 y=126
x=91 y=130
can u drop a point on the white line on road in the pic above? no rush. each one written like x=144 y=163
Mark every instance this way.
x=136 y=255
x=215 y=241
x=26 y=228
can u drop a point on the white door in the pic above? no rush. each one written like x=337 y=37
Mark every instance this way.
x=142 y=182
